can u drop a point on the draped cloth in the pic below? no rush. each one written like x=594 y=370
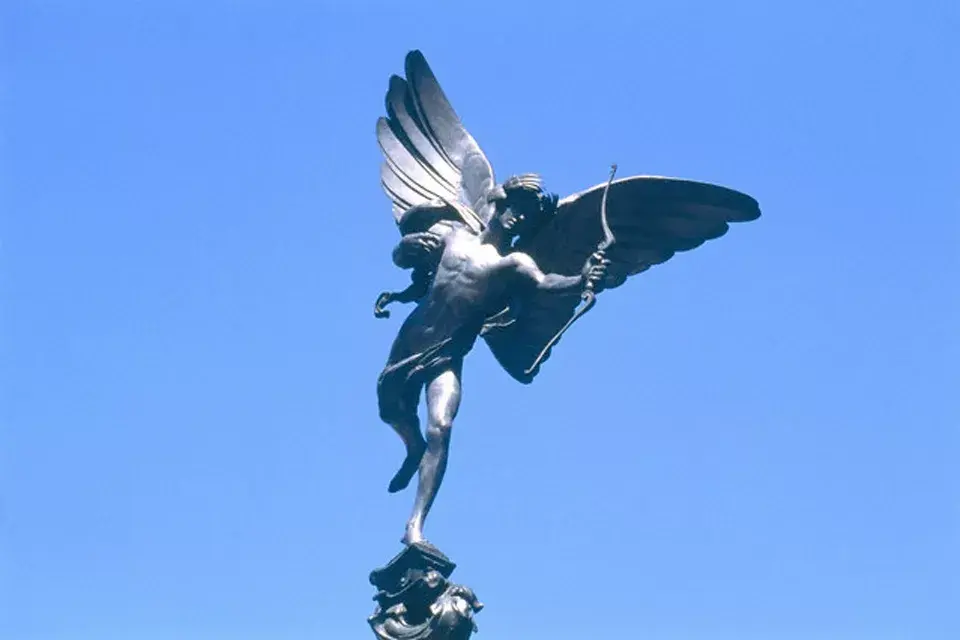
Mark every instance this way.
x=403 y=378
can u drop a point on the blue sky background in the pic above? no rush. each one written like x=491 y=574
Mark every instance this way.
x=758 y=439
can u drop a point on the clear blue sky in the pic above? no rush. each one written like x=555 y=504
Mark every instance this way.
x=758 y=439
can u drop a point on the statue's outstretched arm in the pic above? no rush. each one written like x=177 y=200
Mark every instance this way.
x=418 y=251
x=531 y=274
x=527 y=271
x=417 y=289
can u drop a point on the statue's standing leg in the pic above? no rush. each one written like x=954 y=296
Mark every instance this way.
x=443 y=401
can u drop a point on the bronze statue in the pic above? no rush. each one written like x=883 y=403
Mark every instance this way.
x=507 y=262
x=510 y=263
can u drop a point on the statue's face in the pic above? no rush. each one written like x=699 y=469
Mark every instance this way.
x=514 y=213
x=511 y=220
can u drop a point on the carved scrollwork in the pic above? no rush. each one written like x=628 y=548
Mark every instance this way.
x=450 y=617
x=417 y=602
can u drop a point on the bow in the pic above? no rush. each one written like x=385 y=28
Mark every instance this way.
x=589 y=297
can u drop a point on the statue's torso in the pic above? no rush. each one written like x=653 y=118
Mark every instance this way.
x=467 y=288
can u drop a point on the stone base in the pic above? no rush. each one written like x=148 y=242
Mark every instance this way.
x=415 y=600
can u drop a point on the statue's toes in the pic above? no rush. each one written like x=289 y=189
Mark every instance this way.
x=400 y=481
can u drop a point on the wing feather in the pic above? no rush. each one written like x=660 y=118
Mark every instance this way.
x=401 y=193
x=401 y=111
x=407 y=168
x=444 y=127
x=425 y=190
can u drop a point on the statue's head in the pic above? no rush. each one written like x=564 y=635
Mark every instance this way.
x=521 y=204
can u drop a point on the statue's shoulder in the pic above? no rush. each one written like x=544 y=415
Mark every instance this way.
x=461 y=241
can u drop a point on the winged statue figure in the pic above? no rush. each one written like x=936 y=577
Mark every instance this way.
x=508 y=262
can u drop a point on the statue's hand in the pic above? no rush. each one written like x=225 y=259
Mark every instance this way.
x=595 y=271
x=383 y=300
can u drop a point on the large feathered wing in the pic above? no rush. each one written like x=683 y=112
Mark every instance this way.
x=652 y=218
x=428 y=153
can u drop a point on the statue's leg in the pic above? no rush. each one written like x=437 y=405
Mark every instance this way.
x=409 y=431
x=398 y=408
x=443 y=401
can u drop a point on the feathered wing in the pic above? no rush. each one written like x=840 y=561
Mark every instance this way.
x=428 y=154
x=652 y=218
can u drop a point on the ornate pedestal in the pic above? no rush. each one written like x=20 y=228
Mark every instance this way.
x=415 y=601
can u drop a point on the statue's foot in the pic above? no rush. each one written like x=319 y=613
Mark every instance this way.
x=407 y=470
x=414 y=535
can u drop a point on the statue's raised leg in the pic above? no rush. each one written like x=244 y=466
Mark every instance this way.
x=409 y=432
x=398 y=408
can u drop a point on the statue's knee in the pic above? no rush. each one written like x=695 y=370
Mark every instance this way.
x=398 y=418
x=440 y=428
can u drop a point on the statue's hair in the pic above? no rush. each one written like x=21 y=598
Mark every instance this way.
x=525 y=182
